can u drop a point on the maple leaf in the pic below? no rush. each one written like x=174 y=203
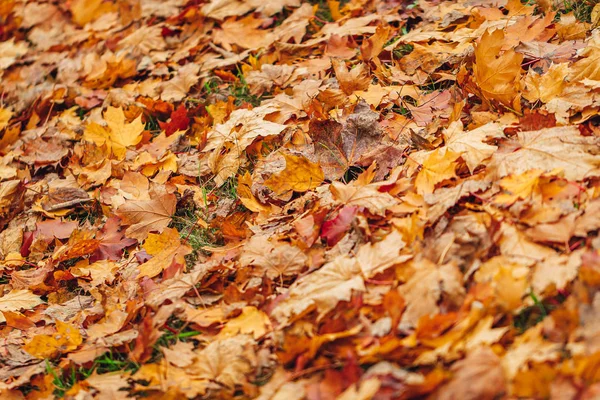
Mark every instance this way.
x=111 y=241
x=166 y=249
x=17 y=300
x=179 y=121
x=145 y=216
x=351 y=80
x=547 y=86
x=67 y=338
x=498 y=73
x=471 y=145
x=339 y=146
x=227 y=141
x=10 y=51
x=438 y=166
x=478 y=376
x=273 y=258
x=335 y=228
x=98 y=273
x=338 y=279
x=545 y=150
x=108 y=385
x=119 y=134
x=587 y=67
x=5 y=116
x=85 y=11
x=367 y=196
x=176 y=88
x=244 y=33
x=444 y=198
x=224 y=363
x=374 y=45
x=251 y=321
x=299 y=175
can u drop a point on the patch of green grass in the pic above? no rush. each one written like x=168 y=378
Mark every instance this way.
x=88 y=212
x=433 y=86
x=323 y=14
x=402 y=50
x=63 y=382
x=532 y=315
x=211 y=85
x=412 y=5
x=81 y=112
x=582 y=9
x=197 y=237
x=228 y=188
x=241 y=91
x=152 y=124
x=175 y=330
x=108 y=362
x=112 y=362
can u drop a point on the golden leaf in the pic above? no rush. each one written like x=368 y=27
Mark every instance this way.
x=251 y=321
x=299 y=175
x=67 y=338
x=165 y=248
x=439 y=166
x=119 y=135
x=498 y=72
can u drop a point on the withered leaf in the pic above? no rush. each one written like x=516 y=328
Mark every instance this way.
x=145 y=216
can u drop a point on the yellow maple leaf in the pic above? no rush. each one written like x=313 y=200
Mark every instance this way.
x=299 y=175
x=118 y=135
x=67 y=338
x=85 y=11
x=518 y=186
x=251 y=321
x=5 y=116
x=546 y=86
x=122 y=134
x=588 y=66
x=497 y=72
x=438 y=167
x=165 y=248
x=246 y=197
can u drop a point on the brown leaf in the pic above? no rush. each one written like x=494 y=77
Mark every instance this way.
x=478 y=376
x=145 y=216
x=338 y=146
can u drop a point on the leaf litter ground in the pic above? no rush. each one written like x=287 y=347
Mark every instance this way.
x=299 y=200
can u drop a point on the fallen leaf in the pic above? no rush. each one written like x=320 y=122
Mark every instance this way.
x=17 y=300
x=119 y=136
x=498 y=72
x=145 y=216
x=436 y=168
x=478 y=376
x=299 y=175
x=67 y=338
x=250 y=322
x=166 y=248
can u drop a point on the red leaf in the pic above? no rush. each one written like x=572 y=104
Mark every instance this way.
x=112 y=241
x=27 y=240
x=335 y=229
x=179 y=121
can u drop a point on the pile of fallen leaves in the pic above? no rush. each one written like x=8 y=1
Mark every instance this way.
x=299 y=200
